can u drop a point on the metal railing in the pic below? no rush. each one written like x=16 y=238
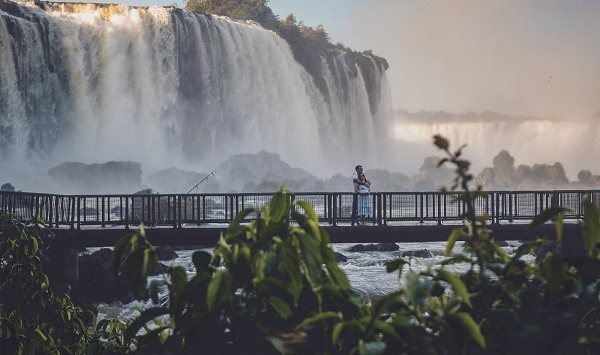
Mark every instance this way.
x=180 y=210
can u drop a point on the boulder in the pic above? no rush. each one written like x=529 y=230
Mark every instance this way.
x=374 y=247
x=341 y=258
x=422 y=253
x=111 y=177
x=96 y=282
x=166 y=253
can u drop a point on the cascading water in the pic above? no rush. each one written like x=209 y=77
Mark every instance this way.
x=165 y=87
x=573 y=143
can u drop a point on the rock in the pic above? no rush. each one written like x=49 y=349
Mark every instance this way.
x=423 y=253
x=341 y=258
x=387 y=247
x=160 y=269
x=112 y=177
x=374 y=247
x=96 y=282
x=166 y=253
x=173 y=181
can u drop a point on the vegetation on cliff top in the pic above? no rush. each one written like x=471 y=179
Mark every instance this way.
x=304 y=40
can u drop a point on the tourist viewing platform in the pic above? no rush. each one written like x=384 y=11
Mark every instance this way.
x=197 y=219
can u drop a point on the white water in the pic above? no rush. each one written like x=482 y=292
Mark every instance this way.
x=366 y=272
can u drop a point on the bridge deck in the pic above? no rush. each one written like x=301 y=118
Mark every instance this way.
x=209 y=235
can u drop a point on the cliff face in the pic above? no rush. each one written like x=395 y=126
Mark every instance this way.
x=166 y=87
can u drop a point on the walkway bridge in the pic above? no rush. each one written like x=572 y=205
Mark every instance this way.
x=198 y=219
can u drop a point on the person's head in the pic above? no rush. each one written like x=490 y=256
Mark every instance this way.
x=358 y=168
x=361 y=176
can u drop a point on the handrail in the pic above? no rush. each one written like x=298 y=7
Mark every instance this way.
x=178 y=210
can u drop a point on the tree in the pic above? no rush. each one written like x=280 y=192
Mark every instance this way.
x=7 y=187
x=253 y=10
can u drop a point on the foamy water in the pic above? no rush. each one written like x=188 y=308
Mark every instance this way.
x=366 y=272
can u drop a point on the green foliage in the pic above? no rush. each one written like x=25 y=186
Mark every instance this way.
x=254 y=10
x=32 y=318
x=269 y=285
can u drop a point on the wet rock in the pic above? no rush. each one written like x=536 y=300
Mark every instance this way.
x=341 y=258
x=502 y=243
x=96 y=282
x=166 y=253
x=422 y=253
x=374 y=247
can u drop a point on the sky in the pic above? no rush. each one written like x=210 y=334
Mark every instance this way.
x=514 y=57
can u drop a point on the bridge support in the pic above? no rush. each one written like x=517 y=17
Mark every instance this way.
x=62 y=269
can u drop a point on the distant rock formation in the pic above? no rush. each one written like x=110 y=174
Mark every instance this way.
x=173 y=181
x=263 y=172
x=109 y=177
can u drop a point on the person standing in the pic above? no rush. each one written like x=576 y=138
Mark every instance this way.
x=356 y=182
x=365 y=205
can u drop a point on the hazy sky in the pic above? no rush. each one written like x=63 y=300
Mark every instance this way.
x=521 y=57
x=510 y=56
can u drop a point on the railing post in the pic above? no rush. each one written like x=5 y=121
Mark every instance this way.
x=126 y=212
x=439 y=207
x=334 y=205
x=496 y=207
x=510 y=206
x=379 y=198
x=103 y=211
x=78 y=202
x=179 y=211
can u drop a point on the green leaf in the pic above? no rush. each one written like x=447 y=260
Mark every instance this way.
x=282 y=307
x=119 y=252
x=319 y=317
x=219 y=288
x=41 y=334
x=146 y=316
x=396 y=264
x=312 y=256
x=235 y=228
x=386 y=328
x=457 y=285
x=179 y=281
x=546 y=215
x=559 y=227
x=338 y=275
x=464 y=324
x=441 y=142
x=590 y=227
x=308 y=209
x=452 y=239
x=290 y=264
x=279 y=207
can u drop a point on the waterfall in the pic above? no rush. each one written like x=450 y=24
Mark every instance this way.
x=166 y=87
x=574 y=143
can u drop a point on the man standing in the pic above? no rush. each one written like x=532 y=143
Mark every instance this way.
x=355 y=182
